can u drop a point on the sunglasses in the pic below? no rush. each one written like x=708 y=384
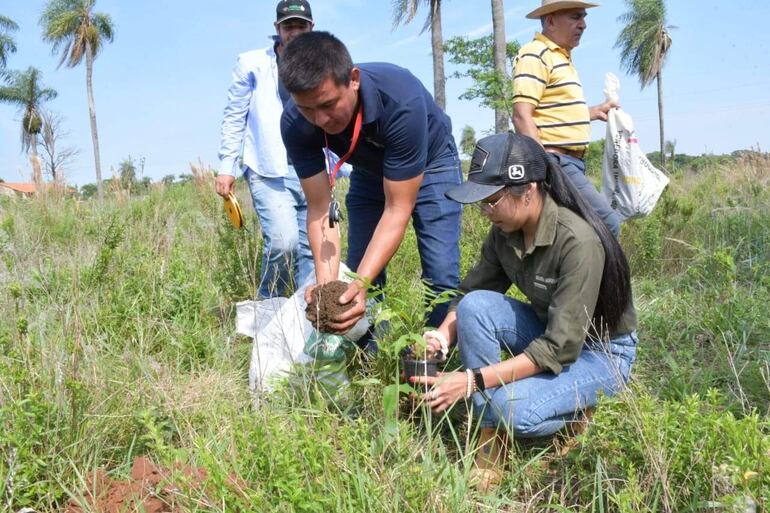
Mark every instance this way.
x=489 y=206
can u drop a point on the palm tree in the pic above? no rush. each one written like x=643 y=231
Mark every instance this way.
x=404 y=11
x=74 y=27
x=644 y=44
x=7 y=44
x=498 y=31
x=24 y=89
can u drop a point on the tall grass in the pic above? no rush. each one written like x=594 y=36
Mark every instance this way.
x=117 y=340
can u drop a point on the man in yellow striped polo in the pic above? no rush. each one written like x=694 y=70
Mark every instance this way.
x=548 y=102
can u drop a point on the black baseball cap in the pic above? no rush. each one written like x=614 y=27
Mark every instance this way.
x=499 y=161
x=288 y=9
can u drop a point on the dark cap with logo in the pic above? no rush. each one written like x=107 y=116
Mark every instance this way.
x=499 y=161
x=288 y=9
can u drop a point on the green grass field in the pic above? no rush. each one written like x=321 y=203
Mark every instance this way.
x=117 y=340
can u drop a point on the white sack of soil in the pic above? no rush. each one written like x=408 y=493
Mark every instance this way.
x=279 y=329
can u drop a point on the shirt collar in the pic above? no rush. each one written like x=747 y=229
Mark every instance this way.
x=546 y=226
x=551 y=45
x=370 y=97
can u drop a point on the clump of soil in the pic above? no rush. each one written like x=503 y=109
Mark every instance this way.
x=324 y=305
x=150 y=489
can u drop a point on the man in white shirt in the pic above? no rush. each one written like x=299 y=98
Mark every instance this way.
x=251 y=138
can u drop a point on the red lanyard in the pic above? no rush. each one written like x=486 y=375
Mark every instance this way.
x=353 y=142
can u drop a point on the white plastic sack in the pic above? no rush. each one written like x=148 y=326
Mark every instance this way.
x=279 y=329
x=631 y=184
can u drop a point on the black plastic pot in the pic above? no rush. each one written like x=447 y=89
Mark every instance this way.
x=414 y=367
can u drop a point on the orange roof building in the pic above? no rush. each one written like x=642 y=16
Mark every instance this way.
x=19 y=189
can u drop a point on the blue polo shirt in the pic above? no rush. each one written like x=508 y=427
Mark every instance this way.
x=403 y=129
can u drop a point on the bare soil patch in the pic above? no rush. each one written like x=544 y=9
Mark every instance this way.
x=150 y=489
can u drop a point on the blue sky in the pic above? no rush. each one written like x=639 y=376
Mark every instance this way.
x=161 y=86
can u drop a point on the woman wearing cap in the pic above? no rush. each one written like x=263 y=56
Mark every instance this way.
x=573 y=340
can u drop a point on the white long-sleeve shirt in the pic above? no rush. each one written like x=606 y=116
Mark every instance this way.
x=252 y=119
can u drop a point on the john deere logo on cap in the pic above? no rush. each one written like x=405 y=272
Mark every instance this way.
x=515 y=172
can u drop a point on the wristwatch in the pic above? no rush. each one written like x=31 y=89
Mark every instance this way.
x=479 y=380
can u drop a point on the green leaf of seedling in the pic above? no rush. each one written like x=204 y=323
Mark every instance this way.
x=407 y=340
x=390 y=395
x=385 y=314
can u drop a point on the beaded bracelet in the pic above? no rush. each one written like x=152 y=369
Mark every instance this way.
x=471 y=385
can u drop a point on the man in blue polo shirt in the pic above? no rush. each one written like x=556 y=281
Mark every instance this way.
x=383 y=121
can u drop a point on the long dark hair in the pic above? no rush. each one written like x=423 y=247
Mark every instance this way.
x=615 y=288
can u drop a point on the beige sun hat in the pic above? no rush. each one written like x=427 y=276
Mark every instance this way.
x=550 y=6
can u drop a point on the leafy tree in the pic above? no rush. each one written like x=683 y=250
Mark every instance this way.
x=185 y=178
x=468 y=140
x=644 y=43
x=168 y=180
x=494 y=90
x=73 y=27
x=7 y=43
x=127 y=172
x=671 y=148
x=404 y=11
x=88 y=191
x=498 y=37
x=24 y=89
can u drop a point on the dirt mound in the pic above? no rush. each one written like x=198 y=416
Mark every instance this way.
x=324 y=305
x=150 y=489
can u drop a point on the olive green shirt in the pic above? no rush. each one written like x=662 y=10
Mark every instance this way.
x=560 y=274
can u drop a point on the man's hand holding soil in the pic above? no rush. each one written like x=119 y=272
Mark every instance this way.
x=335 y=307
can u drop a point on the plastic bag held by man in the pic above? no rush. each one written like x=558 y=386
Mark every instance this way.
x=630 y=182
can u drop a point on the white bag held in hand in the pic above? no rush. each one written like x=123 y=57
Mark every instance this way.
x=279 y=329
x=631 y=184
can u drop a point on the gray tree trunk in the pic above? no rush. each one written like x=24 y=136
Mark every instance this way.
x=92 y=114
x=34 y=160
x=437 y=43
x=498 y=27
x=660 y=120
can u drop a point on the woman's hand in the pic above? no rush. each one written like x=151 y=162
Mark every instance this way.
x=446 y=389
x=436 y=342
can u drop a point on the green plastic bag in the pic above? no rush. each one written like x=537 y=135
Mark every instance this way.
x=327 y=346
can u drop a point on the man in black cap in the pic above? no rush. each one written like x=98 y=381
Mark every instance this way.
x=251 y=143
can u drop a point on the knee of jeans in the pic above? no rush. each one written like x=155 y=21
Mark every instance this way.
x=526 y=422
x=474 y=305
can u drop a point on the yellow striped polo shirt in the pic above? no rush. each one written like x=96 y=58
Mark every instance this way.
x=544 y=76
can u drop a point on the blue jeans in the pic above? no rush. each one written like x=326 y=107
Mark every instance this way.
x=575 y=169
x=436 y=221
x=282 y=212
x=541 y=404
